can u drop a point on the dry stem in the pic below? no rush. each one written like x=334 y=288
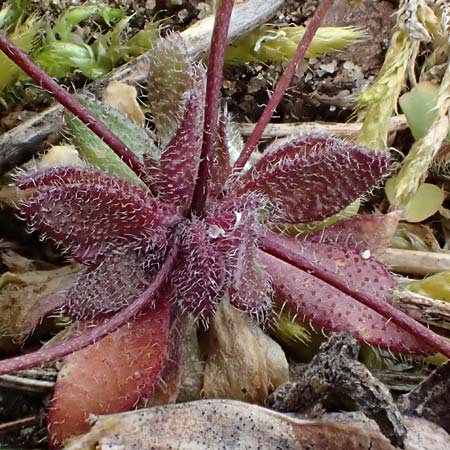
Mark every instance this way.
x=415 y=262
x=278 y=130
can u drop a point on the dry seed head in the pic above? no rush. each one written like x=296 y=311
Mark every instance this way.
x=378 y=103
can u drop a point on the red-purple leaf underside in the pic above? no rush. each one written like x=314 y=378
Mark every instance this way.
x=368 y=232
x=180 y=160
x=311 y=178
x=111 y=375
x=199 y=279
x=113 y=283
x=90 y=218
x=329 y=309
x=170 y=78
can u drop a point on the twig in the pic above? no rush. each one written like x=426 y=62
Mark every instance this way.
x=432 y=310
x=25 y=384
x=415 y=262
x=278 y=130
x=33 y=136
x=17 y=424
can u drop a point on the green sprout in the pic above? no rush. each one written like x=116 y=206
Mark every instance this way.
x=61 y=51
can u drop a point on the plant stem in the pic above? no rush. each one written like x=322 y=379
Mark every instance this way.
x=72 y=104
x=213 y=84
x=273 y=244
x=47 y=354
x=282 y=85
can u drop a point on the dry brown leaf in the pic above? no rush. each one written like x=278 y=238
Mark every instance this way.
x=412 y=236
x=422 y=434
x=214 y=424
x=122 y=96
x=243 y=363
x=193 y=364
x=21 y=299
x=60 y=155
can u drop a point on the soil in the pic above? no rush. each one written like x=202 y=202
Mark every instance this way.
x=325 y=88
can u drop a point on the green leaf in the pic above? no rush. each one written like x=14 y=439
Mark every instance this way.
x=62 y=30
x=423 y=204
x=436 y=286
x=419 y=107
x=24 y=37
x=98 y=153
x=59 y=59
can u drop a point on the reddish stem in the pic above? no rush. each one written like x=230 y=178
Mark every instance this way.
x=282 y=85
x=213 y=85
x=48 y=354
x=273 y=244
x=72 y=104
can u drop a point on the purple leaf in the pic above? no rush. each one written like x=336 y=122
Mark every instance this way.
x=116 y=281
x=368 y=232
x=250 y=283
x=180 y=160
x=170 y=78
x=199 y=279
x=328 y=308
x=65 y=175
x=311 y=178
x=92 y=218
x=234 y=223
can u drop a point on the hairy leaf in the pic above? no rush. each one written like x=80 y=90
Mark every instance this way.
x=199 y=279
x=98 y=153
x=366 y=232
x=328 y=308
x=70 y=175
x=112 y=284
x=170 y=78
x=181 y=158
x=110 y=375
x=90 y=218
x=311 y=178
x=234 y=225
x=250 y=283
